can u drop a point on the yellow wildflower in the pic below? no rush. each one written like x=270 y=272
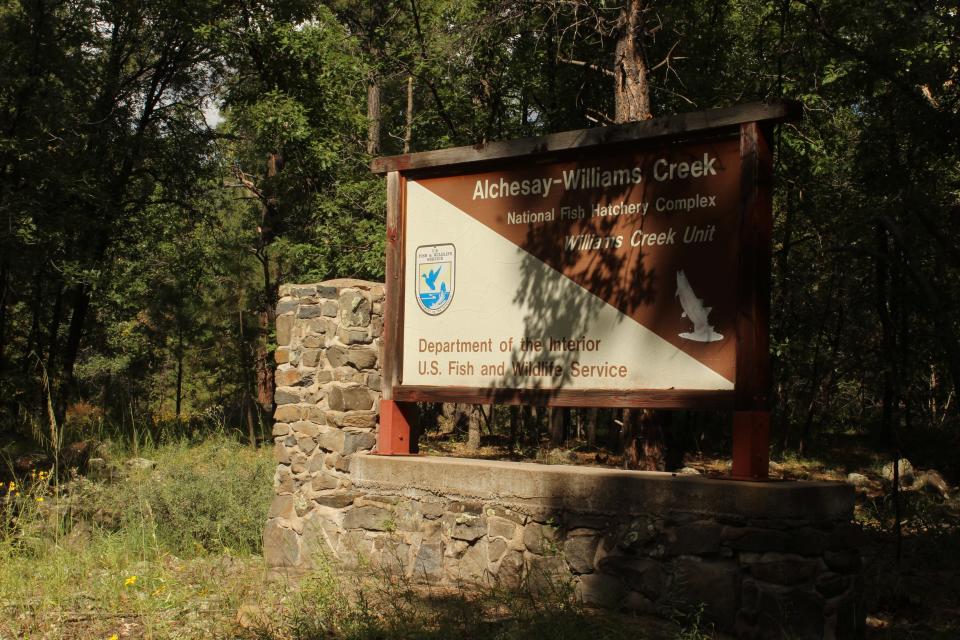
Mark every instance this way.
x=39 y=498
x=114 y=637
x=129 y=582
x=12 y=486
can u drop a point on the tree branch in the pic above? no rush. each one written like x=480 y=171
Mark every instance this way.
x=592 y=67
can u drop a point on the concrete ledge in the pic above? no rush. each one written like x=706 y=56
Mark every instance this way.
x=592 y=489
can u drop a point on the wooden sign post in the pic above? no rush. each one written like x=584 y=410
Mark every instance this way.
x=751 y=416
x=623 y=266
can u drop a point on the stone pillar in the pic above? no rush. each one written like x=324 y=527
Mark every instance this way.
x=327 y=400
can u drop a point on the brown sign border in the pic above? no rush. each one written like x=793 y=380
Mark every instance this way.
x=753 y=122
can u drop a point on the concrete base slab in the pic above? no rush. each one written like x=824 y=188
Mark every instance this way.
x=592 y=489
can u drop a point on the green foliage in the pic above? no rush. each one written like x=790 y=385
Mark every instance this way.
x=694 y=628
x=207 y=498
x=91 y=557
x=141 y=249
x=147 y=550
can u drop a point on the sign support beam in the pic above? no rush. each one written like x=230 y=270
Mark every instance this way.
x=395 y=436
x=751 y=418
x=396 y=429
x=751 y=445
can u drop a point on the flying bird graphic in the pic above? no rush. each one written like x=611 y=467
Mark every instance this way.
x=431 y=278
x=697 y=313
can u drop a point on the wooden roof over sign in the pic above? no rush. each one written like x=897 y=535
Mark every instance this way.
x=698 y=122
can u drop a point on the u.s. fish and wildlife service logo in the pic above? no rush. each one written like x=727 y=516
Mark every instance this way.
x=435 y=270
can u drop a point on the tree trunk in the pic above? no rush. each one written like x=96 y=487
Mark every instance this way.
x=556 y=426
x=247 y=401
x=528 y=424
x=628 y=440
x=631 y=91
x=373 y=113
x=4 y=294
x=642 y=439
x=179 y=370
x=813 y=383
x=458 y=418
x=632 y=102
x=408 y=124
x=888 y=338
x=614 y=429
x=652 y=445
x=53 y=331
x=66 y=386
x=266 y=316
x=781 y=364
x=34 y=339
x=592 y=426
x=473 y=428
x=262 y=363
x=251 y=430
x=537 y=427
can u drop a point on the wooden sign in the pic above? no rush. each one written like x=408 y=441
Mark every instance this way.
x=621 y=266
x=613 y=271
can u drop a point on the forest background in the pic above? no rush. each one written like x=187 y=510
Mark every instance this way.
x=166 y=164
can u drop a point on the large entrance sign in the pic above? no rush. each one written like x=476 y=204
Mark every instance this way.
x=624 y=266
x=614 y=271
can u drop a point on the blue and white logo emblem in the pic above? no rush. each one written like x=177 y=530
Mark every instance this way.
x=435 y=269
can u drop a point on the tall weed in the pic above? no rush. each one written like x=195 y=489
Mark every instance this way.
x=152 y=553
x=206 y=498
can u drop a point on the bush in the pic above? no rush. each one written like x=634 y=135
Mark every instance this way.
x=212 y=497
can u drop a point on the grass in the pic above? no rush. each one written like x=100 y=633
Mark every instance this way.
x=108 y=586
x=328 y=605
x=174 y=551
x=141 y=555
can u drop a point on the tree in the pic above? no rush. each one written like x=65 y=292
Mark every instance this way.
x=106 y=89
x=141 y=250
x=291 y=131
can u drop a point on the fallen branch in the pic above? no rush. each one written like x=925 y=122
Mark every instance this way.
x=94 y=615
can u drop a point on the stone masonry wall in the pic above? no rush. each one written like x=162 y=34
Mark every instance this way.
x=764 y=560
